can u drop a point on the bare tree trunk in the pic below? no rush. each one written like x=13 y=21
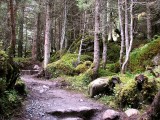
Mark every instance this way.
x=124 y=66
x=34 y=42
x=104 y=32
x=149 y=25
x=82 y=39
x=47 y=35
x=64 y=26
x=20 y=40
x=126 y=26
x=13 y=32
x=120 y=4
x=96 y=60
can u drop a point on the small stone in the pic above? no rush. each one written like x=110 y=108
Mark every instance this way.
x=110 y=115
x=131 y=112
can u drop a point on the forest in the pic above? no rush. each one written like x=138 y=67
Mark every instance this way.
x=105 y=50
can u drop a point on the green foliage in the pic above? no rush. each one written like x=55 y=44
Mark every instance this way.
x=66 y=65
x=8 y=101
x=83 y=67
x=3 y=63
x=113 y=52
x=88 y=40
x=141 y=57
x=84 y=4
x=23 y=62
x=114 y=67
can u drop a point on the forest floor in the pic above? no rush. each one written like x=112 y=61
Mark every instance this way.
x=48 y=100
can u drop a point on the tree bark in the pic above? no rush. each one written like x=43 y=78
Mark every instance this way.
x=122 y=31
x=20 y=40
x=149 y=25
x=104 y=31
x=96 y=60
x=82 y=39
x=13 y=31
x=64 y=26
x=47 y=35
x=124 y=66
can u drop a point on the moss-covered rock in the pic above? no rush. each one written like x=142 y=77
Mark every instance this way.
x=142 y=57
x=127 y=95
x=83 y=67
x=66 y=65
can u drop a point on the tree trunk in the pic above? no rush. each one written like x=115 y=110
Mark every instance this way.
x=149 y=25
x=122 y=31
x=64 y=26
x=124 y=66
x=154 y=111
x=96 y=60
x=104 y=31
x=47 y=35
x=20 y=40
x=13 y=32
x=83 y=35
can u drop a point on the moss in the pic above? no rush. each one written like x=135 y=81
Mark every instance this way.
x=141 y=57
x=88 y=41
x=114 y=67
x=113 y=52
x=66 y=65
x=81 y=68
x=127 y=94
x=3 y=63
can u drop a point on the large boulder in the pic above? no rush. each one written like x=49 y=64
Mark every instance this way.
x=111 y=115
x=102 y=86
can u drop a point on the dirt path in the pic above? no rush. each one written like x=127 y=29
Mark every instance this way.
x=45 y=101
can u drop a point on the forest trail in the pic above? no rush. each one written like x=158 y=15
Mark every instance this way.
x=47 y=101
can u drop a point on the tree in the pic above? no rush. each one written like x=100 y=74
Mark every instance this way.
x=20 y=39
x=47 y=34
x=104 y=31
x=120 y=5
x=96 y=60
x=13 y=31
x=63 y=39
x=128 y=42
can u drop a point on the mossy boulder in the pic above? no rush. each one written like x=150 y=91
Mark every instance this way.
x=66 y=65
x=142 y=57
x=83 y=67
x=127 y=95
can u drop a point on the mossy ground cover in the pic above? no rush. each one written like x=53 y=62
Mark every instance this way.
x=141 y=57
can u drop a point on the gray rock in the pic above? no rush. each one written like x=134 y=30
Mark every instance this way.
x=77 y=118
x=110 y=115
x=156 y=59
x=131 y=112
